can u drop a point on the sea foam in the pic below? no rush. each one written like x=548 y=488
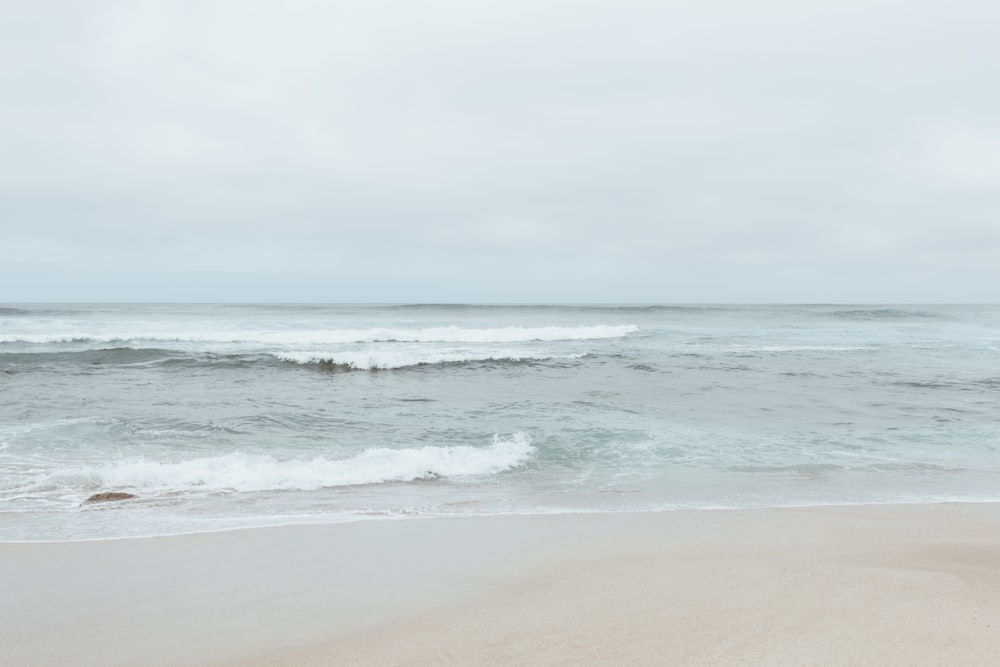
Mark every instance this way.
x=328 y=336
x=239 y=471
x=388 y=358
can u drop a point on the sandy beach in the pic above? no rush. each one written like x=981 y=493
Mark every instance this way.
x=873 y=585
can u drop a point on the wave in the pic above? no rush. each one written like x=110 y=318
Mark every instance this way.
x=606 y=308
x=35 y=311
x=390 y=359
x=127 y=356
x=338 y=336
x=377 y=357
x=740 y=348
x=99 y=356
x=243 y=472
x=881 y=313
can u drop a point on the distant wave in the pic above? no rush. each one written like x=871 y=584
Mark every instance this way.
x=99 y=356
x=243 y=472
x=881 y=313
x=794 y=348
x=562 y=307
x=337 y=336
x=378 y=356
x=128 y=356
x=11 y=311
x=706 y=350
x=389 y=359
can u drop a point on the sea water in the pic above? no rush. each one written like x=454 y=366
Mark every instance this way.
x=224 y=416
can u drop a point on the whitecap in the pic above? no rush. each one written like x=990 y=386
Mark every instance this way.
x=243 y=472
x=387 y=358
x=449 y=334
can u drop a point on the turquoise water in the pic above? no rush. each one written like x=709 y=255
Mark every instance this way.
x=221 y=416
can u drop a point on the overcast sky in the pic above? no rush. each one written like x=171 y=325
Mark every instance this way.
x=479 y=151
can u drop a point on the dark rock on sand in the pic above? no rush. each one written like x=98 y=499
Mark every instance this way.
x=108 y=495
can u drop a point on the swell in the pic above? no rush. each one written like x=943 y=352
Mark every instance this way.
x=96 y=356
x=566 y=307
x=381 y=357
x=881 y=313
x=12 y=311
x=126 y=356
x=390 y=359
x=319 y=337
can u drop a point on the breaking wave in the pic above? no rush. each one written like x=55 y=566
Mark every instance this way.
x=378 y=356
x=390 y=359
x=243 y=472
x=321 y=337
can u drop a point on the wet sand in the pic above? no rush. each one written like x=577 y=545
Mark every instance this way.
x=913 y=584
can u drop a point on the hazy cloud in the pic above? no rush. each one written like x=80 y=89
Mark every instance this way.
x=500 y=151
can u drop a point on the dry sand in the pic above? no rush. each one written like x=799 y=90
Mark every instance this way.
x=892 y=585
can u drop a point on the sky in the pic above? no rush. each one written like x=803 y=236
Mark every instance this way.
x=481 y=151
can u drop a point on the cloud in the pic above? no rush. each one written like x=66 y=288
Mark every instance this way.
x=499 y=150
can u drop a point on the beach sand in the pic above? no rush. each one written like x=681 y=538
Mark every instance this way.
x=874 y=585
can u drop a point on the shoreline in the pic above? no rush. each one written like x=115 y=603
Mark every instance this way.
x=364 y=518
x=854 y=584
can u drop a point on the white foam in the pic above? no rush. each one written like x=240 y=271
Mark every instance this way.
x=239 y=471
x=386 y=358
x=329 y=336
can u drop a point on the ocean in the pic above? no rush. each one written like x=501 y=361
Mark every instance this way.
x=217 y=417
